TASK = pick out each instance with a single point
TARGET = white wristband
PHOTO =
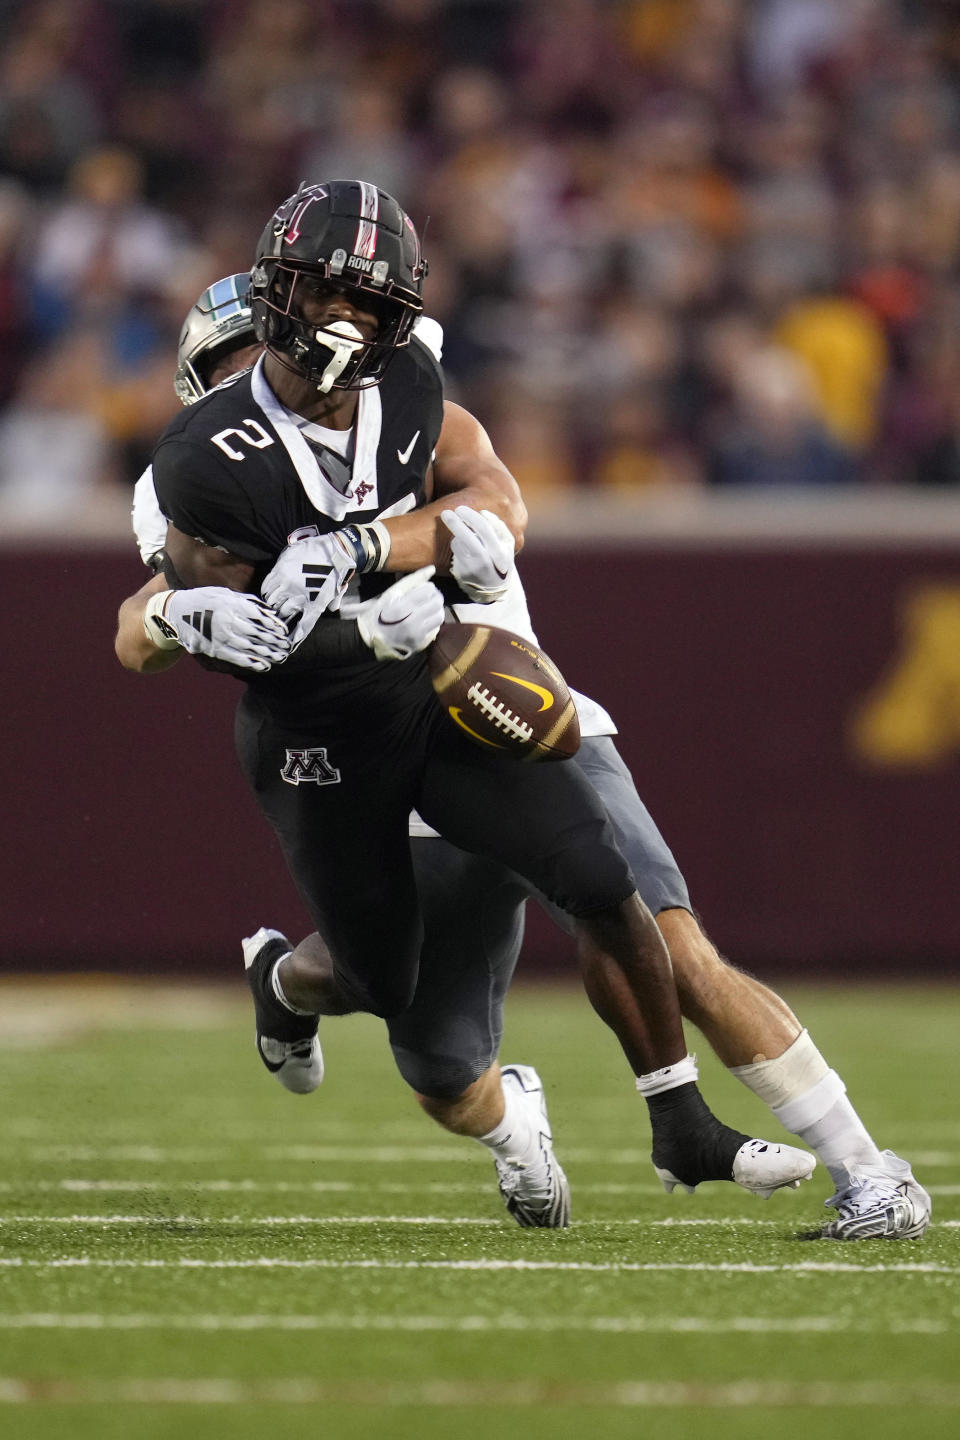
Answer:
(158, 630)
(383, 536)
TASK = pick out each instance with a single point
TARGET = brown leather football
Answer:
(504, 693)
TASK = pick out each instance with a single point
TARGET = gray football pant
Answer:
(473, 913)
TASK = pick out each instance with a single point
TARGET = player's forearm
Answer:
(466, 471)
(421, 538)
(135, 650)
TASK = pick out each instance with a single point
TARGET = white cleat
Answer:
(287, 1043)
(882, 1202)
(537, 1195)
(251, 945)
(297, 1064)
(762, 1167)
(758, 1166)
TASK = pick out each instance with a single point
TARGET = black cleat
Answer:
(690, 1146)
(286, 1043)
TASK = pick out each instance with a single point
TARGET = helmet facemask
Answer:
(333, 356)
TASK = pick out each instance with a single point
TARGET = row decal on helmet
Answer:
(365, 244)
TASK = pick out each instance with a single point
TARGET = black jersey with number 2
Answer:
(237, 470)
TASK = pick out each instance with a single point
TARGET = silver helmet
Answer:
(219, 322)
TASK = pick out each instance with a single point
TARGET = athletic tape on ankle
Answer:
(656, 1081)
(278, 990)
(792, 1074)
(807, 1109)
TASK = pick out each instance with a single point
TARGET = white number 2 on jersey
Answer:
(257, 438)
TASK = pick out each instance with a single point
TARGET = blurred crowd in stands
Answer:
(672, 242)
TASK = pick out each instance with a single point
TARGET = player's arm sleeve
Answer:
(149, 523)
(198, 495)
(429, 332)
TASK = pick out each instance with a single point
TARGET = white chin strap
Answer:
(343, 349)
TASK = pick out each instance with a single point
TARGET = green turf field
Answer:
(185, 1249)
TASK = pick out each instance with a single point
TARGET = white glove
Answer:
(225, 624)
(320, 567)
(404, 619)
(482, 553)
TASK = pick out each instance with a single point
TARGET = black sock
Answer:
(273, 1018)
(688, 1139)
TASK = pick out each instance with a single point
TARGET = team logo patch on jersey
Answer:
(309, 767)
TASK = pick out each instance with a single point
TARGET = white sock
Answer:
(277, 989)
(669, 1078)
(809, 1099)
(826, 1120)
(513, 1139)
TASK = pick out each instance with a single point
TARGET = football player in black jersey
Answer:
(349, 328)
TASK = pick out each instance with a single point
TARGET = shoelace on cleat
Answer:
(521, 1172)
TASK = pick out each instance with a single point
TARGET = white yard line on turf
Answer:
(320, 1187)
(601, 1324)
(212, 1221)
(269, 1262)
(373, 1154)
(296, 1187)
(632, 1394)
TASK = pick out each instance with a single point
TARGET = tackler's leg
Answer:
(547, 823)
(627, 976)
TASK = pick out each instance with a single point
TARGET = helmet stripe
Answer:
(223, 297)
(366, 241)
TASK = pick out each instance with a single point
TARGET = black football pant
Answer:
(340, 802)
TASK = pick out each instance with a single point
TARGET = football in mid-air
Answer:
(504, 693)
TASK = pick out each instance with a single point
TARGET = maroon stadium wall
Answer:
(791, 714)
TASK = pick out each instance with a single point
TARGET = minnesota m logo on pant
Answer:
(309, 767)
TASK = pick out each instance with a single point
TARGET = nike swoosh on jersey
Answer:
(404, 455)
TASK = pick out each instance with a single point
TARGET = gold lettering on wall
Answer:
(911, 717)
